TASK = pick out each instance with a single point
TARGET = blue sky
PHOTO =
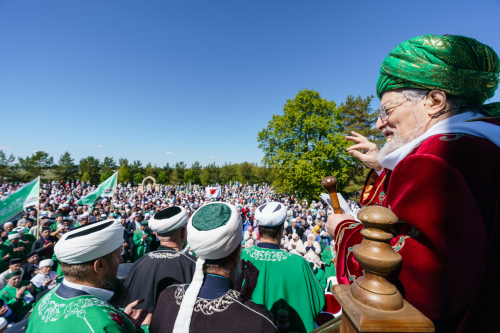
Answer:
(168, 81)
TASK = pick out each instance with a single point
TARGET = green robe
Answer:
(81, 314)
(4, 250)
(326, 257)
(320, 275)
(141, 247)
(286, 281)
(20, 307)
(21, 254)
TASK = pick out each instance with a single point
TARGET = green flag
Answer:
(106, 189)
(14, 203)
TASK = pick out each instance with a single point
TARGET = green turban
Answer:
(460, 66)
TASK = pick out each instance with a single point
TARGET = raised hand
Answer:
(369, 157)
(137, 316)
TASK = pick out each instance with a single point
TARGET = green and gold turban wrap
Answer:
(460, 66)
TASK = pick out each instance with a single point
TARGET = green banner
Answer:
(106, 189)
(14, 203)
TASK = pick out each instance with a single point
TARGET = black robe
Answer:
(156, 271)
(218, 308)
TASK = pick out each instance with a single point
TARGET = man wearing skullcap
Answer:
(46, 278)
(211, 303)
(18, 247)
(438, 172)
(88, 298)
(19, 298)
(142, 240)
(26, 238)
(159, 269)
(44, 246)
(301, 296)
(14, 265)
(30, 266)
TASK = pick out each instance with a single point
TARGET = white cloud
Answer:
(34, 151)
(214, 156)
(169, 153)
(91, 146)
(100, 146)
(102, 155)
(5, 147)
(50, 147)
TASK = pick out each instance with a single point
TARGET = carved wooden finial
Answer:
(378, 259)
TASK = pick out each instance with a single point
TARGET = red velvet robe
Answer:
(447, 190)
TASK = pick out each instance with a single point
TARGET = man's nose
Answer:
(379, 124)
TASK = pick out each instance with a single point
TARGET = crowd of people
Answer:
(304, 231)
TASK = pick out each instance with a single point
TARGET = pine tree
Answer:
(66, 170)
(6, 164)
(108, 164)
(92, 166)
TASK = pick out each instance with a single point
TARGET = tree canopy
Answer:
(305, 144)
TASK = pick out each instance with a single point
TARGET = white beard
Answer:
(399, 141)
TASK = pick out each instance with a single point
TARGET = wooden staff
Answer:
(330, 185)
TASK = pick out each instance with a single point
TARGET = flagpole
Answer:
(38, 211)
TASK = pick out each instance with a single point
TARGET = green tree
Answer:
(35, 164)
(122, 161)
(357, 115)
(168, 172)
(66, 169)
(263, 174)
(6, 165)
(86, 177)
(148, 170)
(228, 172)
(197, 168)
(192, 177)
(108, 165)
(162, 178)
(106, 175)
(179, 171)
(246, 173)
(210, 174)
(305, 144)
(124, 174)
(138, 177)
(136, 167)
(92, 166)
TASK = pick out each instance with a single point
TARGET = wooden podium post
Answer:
(371, 303)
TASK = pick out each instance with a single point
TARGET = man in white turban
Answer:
(212, 302)
(159, 269)
(89, 256)
(302, 296)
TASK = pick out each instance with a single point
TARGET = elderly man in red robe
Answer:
(439, 172)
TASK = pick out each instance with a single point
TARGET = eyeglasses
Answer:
(383, 112)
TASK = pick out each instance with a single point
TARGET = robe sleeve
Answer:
(347, 236)
(326, 256)
(137, 238)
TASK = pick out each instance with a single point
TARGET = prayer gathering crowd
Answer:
(250, 260)
(31, 266)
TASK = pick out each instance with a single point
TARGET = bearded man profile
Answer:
(439, 173)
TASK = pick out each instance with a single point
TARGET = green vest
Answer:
(301, 295)
(326, 257)
(81, 314)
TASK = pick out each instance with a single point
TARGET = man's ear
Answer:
(99, 266)
(436, 102)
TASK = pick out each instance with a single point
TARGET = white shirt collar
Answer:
(103, 294)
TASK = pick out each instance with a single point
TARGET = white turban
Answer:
(213, 232)
(19, 230)
(45, 263)
(8, 223)
(271, 214)
(168, 219)
(14, 235)
(89, 242)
